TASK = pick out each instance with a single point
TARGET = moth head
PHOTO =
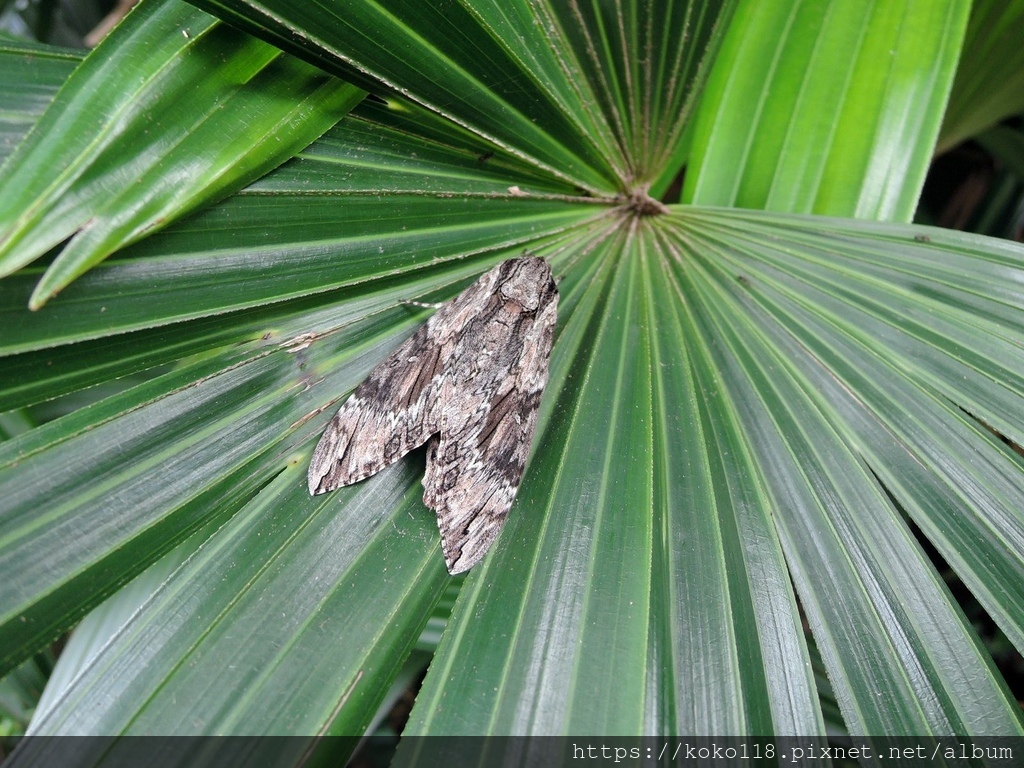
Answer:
(527, 282)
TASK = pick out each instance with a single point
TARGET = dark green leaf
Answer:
(30, 75)
(989, 83)
(171, 111)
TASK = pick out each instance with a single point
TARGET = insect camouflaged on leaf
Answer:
(468, 383)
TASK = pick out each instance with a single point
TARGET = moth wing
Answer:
(396, 408)
(389, 414)
(473, 474)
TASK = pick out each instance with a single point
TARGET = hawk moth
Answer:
(468, 383)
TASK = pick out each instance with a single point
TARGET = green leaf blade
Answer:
(262, 578)
(166, 74)
(917, 625)
(566, 584)
(726, 576)
(805, 147)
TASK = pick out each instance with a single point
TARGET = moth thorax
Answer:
(526, 282)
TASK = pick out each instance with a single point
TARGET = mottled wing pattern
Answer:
(387, 416)
(470, 381)
(472, 477)
(396, 408)
(476, 464)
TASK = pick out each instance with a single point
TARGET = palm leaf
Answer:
(840, 111)
(194, 136)
(750, 416)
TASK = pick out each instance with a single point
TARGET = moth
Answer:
(468, 383)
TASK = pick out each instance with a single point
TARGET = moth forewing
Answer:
(363, 437)
(469, 381)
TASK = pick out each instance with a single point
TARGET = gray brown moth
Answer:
(468, 383)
